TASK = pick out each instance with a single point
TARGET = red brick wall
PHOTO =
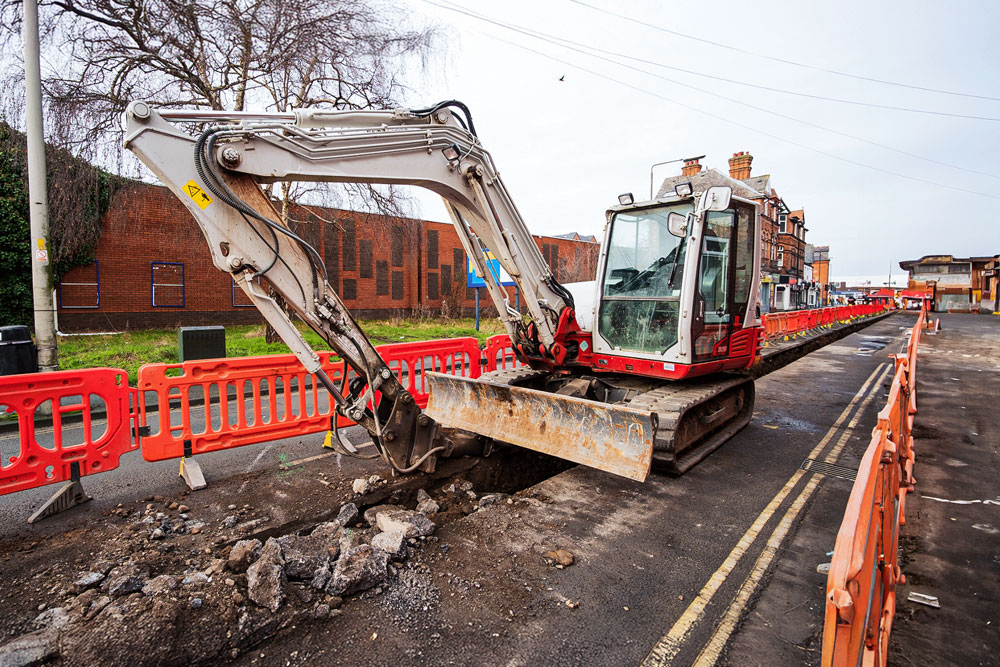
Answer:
(379, 267)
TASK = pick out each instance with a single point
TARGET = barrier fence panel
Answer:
(864, 570)
(214, 404)
(453, 356)
(209, 405)
(68, 449)
(499, 354)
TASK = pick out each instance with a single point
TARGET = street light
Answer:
(683, 159)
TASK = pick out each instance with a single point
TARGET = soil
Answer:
(208, 619)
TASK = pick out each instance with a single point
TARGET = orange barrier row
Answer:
(48, 456)
(781, 324)
(243, 401)
(211, 405)
(860, 589)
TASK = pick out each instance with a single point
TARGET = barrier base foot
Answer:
(192, 474)
(69, 495)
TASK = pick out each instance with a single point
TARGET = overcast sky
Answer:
(567, 148)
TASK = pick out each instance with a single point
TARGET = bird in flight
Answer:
(562, 78)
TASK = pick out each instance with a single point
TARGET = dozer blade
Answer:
(612, 438)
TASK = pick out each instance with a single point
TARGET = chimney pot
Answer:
(691, 167)
(739, 165)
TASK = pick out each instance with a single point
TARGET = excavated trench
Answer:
(507, 471)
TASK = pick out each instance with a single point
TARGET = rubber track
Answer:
(671, 401)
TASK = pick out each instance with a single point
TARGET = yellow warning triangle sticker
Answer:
(199, 196)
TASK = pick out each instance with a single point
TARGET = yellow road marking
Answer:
(666, 649)
(717, 642)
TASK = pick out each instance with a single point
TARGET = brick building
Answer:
(152, 267)
(783, 284)
(959, 284)
(821, 271)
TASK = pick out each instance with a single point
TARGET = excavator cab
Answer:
(676, 281)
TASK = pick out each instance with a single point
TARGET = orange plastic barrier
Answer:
(67, 451)
(780, 324)
(860, 589)
(241, 401)
(454, 356)
(214, 404)
(499, 354)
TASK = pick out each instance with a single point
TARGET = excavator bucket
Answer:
(613, 438)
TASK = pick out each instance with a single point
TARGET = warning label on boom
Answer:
(199, 196)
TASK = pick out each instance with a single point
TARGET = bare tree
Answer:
(222, 54)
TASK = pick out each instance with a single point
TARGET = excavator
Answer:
(638, 369)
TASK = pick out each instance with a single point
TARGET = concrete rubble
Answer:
(254, 588)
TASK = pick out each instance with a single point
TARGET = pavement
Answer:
(716, 567)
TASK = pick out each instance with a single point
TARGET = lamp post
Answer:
(654, 166)
(41, 261)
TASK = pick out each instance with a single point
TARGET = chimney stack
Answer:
(691, 167)
(739, 165)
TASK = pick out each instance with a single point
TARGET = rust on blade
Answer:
(612, 438)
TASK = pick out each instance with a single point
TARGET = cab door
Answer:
(725, 281)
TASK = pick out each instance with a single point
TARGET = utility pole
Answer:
(41, 262)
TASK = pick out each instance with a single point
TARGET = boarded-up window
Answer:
(349, 250)
(458, 262)
(350, 291)
(382, 278)
(332, 247)
(446, 281)
(432, 249)
(81, 287)
(546, 252)
(554, 260)
(397, 285)
(365, 258)
(397, 246)
(432, 286)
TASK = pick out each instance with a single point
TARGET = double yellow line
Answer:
(667, 648)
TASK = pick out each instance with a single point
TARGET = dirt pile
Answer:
(173, 589)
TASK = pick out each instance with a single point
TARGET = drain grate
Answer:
(831, 469)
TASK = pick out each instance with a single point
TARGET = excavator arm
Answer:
(216, 162)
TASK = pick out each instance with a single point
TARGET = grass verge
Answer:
(132, 349)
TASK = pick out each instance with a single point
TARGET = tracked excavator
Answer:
(636, 370)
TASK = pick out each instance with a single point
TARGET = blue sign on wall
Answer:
(473, 279)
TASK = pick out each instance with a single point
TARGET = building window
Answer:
(781, 258)
(783, 223)
(167, 279)
(83, 290)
